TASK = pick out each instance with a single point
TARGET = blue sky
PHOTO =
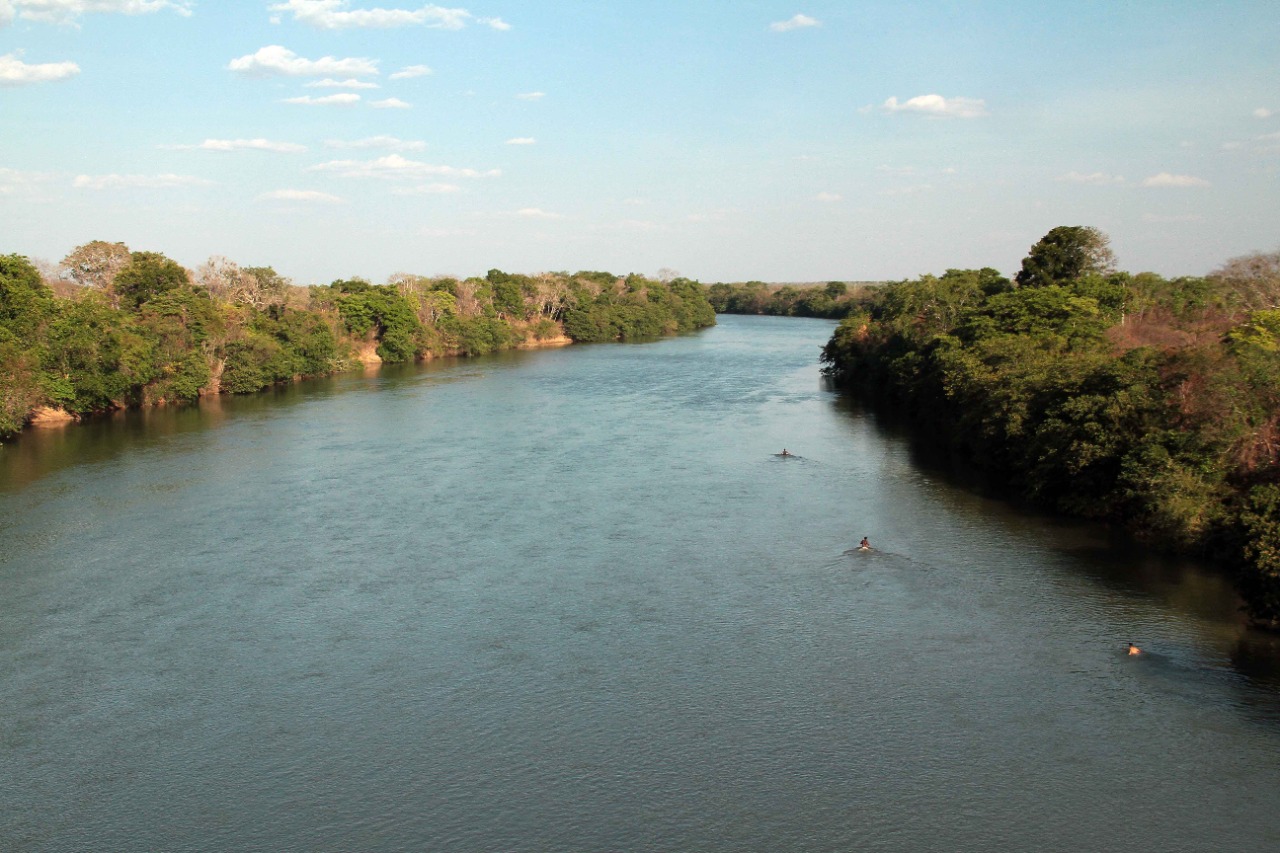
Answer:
(725, 140)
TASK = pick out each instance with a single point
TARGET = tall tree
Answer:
(1065, 254)
(96, 264)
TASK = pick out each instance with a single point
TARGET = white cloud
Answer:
(532, 96)
(411, 71)
(795, 23)
(275, 59)
(827, 197)
(350, 83)
(113, 182)
(537, 213)
(395, 166)
(70, 11)
(15, 72)
(341, 99)
(1262, 112)
(522, 140)
(495, 23)
(390, 143)
(427, 189)
(334, 15)
(1165, 179)
(390, 104)
(936, 105)
(300, 195)
(13, 180)
(1094, 178)
(241, 145)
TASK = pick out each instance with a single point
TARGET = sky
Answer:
(727, 140)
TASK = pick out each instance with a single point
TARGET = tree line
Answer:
(832, 300)
(110, 328)
(1134, 399)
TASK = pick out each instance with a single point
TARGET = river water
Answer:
(570, 600)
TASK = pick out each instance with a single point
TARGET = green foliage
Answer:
(148, 275)
(383, 313)
(832, 300)
(25, 302)
(1051, 388)
(1260, 532)
(1065, 254)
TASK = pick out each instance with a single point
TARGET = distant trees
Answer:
(832, 300)
(1252, 280)
(1129, 398)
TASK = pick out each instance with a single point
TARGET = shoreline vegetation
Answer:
(1139, 401)
(110, 328)
(833, 300)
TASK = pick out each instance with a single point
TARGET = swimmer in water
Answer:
(1134, 650)
(784, 452)
(865, 544)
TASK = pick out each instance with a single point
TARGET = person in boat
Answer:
(784, 452)
(865, 544)
(1134, 650)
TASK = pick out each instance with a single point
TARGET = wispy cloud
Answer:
(275, 59)
(1263, 112)
(536, 213)
(342, 99)
(14, 180)
(334, 15)
(912, 190)
(70, 11)
(350, 83)
(494, 23)
(795, 23)
(1165, 179)
(389, 143)
(938, 106)
(522, 140)
(390, 104)
(15, 72)
(394, 166)
(827, 197)
(312, 196)
(532, 96)
(241, 145)
(427, 189)
(114, 182)
(1098, 179)
(411, 71)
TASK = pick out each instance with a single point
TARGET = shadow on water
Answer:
(37, 453)
(1116, 564)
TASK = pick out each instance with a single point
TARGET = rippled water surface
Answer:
(570, 600)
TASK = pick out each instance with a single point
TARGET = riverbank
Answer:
(134, 329)
(1146, 403)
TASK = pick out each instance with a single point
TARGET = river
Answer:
(571, 600)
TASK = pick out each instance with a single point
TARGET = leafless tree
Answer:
(1254, 280)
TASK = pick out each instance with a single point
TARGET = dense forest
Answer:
(832, 300)
(1129, 398)
(110, 328)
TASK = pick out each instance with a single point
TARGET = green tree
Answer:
(1064, 254)
(148, 275)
